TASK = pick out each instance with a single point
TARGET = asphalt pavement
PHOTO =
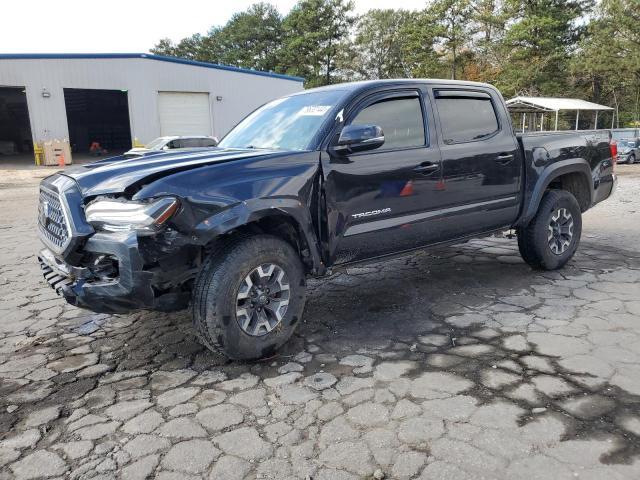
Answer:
(453, 363)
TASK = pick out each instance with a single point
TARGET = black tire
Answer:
(533, 240)
(215, 296)
(632, 159)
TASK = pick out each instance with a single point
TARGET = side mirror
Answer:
(358, 138)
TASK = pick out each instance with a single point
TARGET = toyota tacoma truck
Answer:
(305, 185)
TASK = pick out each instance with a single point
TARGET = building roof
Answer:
(149, 56)
(549, 104)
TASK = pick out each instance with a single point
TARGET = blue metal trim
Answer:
(62, 56)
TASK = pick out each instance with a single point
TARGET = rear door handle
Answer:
(504, 158)
(426, 167)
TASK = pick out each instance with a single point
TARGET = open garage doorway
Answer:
(98, 116)
(16, 142)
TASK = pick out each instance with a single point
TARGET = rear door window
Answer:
(400, 119)
(466, 118)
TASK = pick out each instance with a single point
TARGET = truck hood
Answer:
(115, 175)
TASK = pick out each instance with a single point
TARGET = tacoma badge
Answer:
(371, 213)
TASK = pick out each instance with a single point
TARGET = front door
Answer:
(372, 196)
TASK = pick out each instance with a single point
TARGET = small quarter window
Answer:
(466, 119)
(400, 119)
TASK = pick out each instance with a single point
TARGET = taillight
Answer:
(614, 153)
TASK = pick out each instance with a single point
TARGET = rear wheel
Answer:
(552, 237)
(249, 297)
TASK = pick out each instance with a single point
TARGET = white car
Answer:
(174, 143)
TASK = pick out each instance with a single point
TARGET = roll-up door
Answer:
(184, 113)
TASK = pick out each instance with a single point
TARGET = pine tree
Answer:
(316, 33)
(538, 44)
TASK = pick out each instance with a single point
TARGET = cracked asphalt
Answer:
(459, 362)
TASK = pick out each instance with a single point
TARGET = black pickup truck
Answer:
(309, 183)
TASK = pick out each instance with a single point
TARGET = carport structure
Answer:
(536, 112)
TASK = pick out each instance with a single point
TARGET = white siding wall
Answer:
(143, 79)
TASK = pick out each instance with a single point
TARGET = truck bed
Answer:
(545, 152)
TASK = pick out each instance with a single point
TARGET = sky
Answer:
(125, 26)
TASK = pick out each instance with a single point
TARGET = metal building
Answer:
(119, 99)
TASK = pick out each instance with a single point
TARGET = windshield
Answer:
(288, 123)
(157, 144)
(626, 144)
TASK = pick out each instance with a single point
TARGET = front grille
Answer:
(53, 224)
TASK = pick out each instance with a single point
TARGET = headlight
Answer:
(122, 215)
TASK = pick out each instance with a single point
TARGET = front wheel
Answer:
(632, 159)
(550, 240)
(249, 297)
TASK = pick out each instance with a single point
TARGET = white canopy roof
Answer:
(549, 104)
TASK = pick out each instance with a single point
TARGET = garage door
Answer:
(184, 113)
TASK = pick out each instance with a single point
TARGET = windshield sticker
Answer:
(314, 110)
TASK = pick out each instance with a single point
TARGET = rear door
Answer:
(481, 161)
(372, 196)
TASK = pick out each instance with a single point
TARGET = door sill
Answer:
(388, 256)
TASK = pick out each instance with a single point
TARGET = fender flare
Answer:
(548, 175)
(246, 212)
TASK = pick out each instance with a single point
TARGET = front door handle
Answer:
(504, 158)
(426, 168)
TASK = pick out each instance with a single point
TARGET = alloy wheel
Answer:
(560, 231)
(262, 300)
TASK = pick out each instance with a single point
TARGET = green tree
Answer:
(488, 28)
(165, 46)
(453, 20)
(537, 47)
(626, 15)
(251, 39)
(419, 37)
(606, 66)
(316, 34)
(541, 37)
(379, 44)
(189, 48)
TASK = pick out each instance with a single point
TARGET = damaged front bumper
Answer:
(130, 289)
